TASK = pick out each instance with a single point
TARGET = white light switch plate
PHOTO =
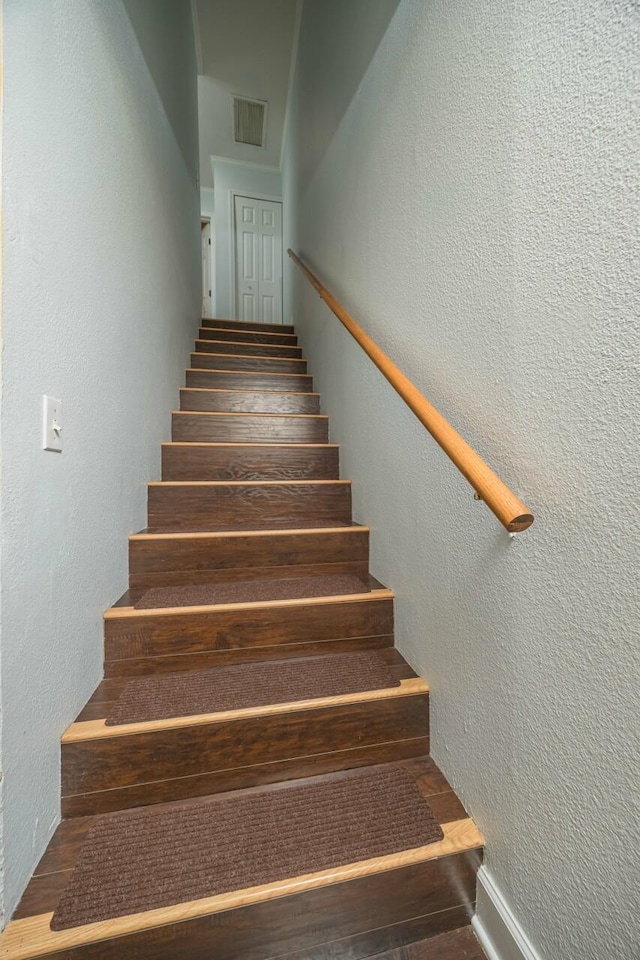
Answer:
(51, 424)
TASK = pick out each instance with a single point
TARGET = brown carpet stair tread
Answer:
(251, 591)
(151, 858)
(243, 686)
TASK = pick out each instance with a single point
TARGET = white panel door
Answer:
(258, 230)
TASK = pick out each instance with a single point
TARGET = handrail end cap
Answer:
(518, 524)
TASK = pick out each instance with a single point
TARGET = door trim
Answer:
(233, 193)
(210, 254)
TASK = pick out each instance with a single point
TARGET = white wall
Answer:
(251, 181)
(464, 176)
(101, 298)
(207, 202)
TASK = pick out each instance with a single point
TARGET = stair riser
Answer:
(113, 763)
(230, 380)
(241, 428)
(207, 361)
(248, 336)
(237, 462)
(170, 663)
(247, 349)
(193, 507)
(381, 943)
(377, 909)
(249, 402)
(263, 774)
(155, 563)
(241, 325)
(229, 575)
(154, 643)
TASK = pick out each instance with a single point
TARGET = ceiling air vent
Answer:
(249, 121)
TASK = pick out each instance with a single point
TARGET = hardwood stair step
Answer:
(139, 642)
(245, 504)
(221, 361)
(247, 401)
(191, 558)
(378, 902)
(246, 325)
(249, 461)
(250, 427)
(247, 349)
(247, 336)
(108, 767)
(109, 690)
(250, 380)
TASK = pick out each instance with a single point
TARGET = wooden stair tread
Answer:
(245, 392)
(229, 843)
(97, 729)
(218, 399)
(235, 460)
(137, 644)
(147, 534)
(305, 685)
(244, 504)
(248, 336)
(247, 413)
(247, 343)
(251, 591)
(194, 557)
(372, 589)
(246, 348)
(29, 935)
(264, 380)
(203, 348)
(225, 362)
(250, 373)
(247, 443)
(108, 690)
(260, 427)
(247, 325)
(247, 483)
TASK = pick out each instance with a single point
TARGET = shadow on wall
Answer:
(161, 57)
(370, 22)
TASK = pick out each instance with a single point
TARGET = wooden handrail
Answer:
(509, 510)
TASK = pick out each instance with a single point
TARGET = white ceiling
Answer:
(245, 47)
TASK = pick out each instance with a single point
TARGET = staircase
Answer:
(252, 777)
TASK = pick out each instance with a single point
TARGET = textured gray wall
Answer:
(101, 299)
(472, 195)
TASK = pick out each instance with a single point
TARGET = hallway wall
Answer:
(464, 178)
(101, 298)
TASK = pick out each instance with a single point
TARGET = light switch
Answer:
(51, 424)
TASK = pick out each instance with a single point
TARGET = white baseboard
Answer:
(500, 934)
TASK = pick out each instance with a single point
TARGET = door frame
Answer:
(206, 219)
(233, 193)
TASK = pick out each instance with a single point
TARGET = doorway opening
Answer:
(206, 245)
